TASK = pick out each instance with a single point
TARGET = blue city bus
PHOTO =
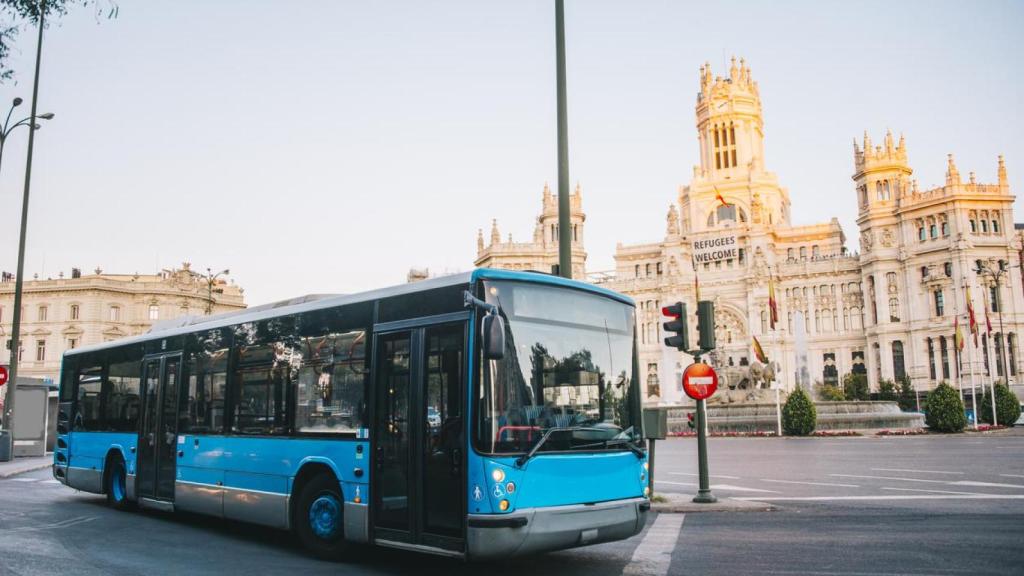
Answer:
(479, 415)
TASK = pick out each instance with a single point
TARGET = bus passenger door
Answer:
(419, 436)
(158, 449)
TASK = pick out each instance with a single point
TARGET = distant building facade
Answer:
(64, 313)
(887, 311)
(542, 253)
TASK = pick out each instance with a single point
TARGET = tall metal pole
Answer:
(564, 226)
(16, 328)
(704, 495)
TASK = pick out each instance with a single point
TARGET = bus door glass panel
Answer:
(392, 432)
(444, 374)
(168, 450)
(146, 464)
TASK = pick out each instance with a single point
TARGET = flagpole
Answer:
(956, 345)
(991, 356)
(972, 327)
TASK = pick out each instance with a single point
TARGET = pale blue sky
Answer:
(330, 146)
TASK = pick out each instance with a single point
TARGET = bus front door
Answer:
(419, 437)
(158, 448)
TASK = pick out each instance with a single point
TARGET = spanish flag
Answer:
(773, 305)
(988, 321)
(759, 352)
(718, 196)
(958, 335)
(972, 322)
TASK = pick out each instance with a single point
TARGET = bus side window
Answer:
(88, 416)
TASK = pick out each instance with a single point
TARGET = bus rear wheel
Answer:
(319, 515)
(116, 488)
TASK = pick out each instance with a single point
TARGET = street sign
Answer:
(3, 375)
(700, 381)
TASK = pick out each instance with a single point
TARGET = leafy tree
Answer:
(887, 391)
(830, 393)
(799, 416)
(1007, 406)
(15, 13)
(908, 396)
(945, 410)
(855, 387)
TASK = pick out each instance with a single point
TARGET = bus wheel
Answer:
(318, 517)
(117, 495)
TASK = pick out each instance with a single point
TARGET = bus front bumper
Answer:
(533, 530)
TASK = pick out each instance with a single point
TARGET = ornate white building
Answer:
(887, 311)
(63, 313)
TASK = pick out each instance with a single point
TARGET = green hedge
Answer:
(798, 415)
(1007, 406)
(830, 393)
(945, 410)
(855, 387)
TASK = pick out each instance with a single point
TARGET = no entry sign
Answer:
(700, 381)
(3, 375)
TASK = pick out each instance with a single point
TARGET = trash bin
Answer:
(6, 446)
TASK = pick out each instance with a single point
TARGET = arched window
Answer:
(789, 253)
(725, 212)
(921, 234)
(885, 188)
(815, 252)
(846, 318)
(933, 231)
(878, 191)
(984, 226)
(974, 227)
(894, 310)
(945, 228)
(947, 269)
(803, 252)
(995, 227)
(898, 369)
(940, 307)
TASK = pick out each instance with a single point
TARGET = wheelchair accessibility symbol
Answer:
(498, 493)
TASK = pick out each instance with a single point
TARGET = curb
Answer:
(25, 469)
(685, 506)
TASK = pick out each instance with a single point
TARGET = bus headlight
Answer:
(498, 474)
(503, 505)
(647, 491)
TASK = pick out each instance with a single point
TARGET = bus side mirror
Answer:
(493, 329)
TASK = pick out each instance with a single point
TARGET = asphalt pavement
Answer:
(843, 506)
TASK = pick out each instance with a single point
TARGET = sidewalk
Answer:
(25, 464)
(684, 503)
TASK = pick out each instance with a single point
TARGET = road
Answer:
(844, 506)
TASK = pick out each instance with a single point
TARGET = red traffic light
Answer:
(675, 328)
(673, 311)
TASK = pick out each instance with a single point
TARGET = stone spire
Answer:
(1002, 172)
(495, 235)
(734, 72)
(888, 141)
(902, 146)
(479, 240)
(952, 174)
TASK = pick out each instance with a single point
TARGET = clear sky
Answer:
(330, 146)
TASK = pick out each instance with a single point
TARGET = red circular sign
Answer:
(700, 381)
(3, 375)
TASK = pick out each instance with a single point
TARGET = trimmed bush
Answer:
(830, 393)
(945, 410)
(908, 396)
(887, 391)
(798, 415)
(855, 387)
(1007, 406)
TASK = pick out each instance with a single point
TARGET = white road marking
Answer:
(884, 497)
(712, 476)
(717, 486)
(946, 482)
(931, 491)
(1013, 475)
(908, 470)
(810, 483)
(50, 482)
(22, 479)
(654, 554)
(62, 524)
(890, 478)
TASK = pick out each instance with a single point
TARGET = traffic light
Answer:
(677, 336)
(689, 420)
(706, 325)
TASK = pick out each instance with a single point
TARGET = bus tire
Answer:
(319, 517)
(116, 484)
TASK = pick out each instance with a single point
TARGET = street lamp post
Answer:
(995, 274)
(8, 420)
(211, 279)
(7, 127)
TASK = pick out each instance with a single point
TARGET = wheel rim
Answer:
(324, 516)
(117, 484)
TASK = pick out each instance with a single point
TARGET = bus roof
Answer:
(320, 302)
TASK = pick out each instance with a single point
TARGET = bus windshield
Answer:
(568, 366)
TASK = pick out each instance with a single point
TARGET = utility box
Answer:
(655, 423)
(31, 421)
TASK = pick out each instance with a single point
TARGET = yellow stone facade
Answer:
(63, 313)
(872, 311)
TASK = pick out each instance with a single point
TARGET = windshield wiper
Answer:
(547, 434)
(628, 443)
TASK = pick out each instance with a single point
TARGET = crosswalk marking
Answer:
(718, 486)
(810, 483)
(654, 554)
(885, 497)
(919, 471)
